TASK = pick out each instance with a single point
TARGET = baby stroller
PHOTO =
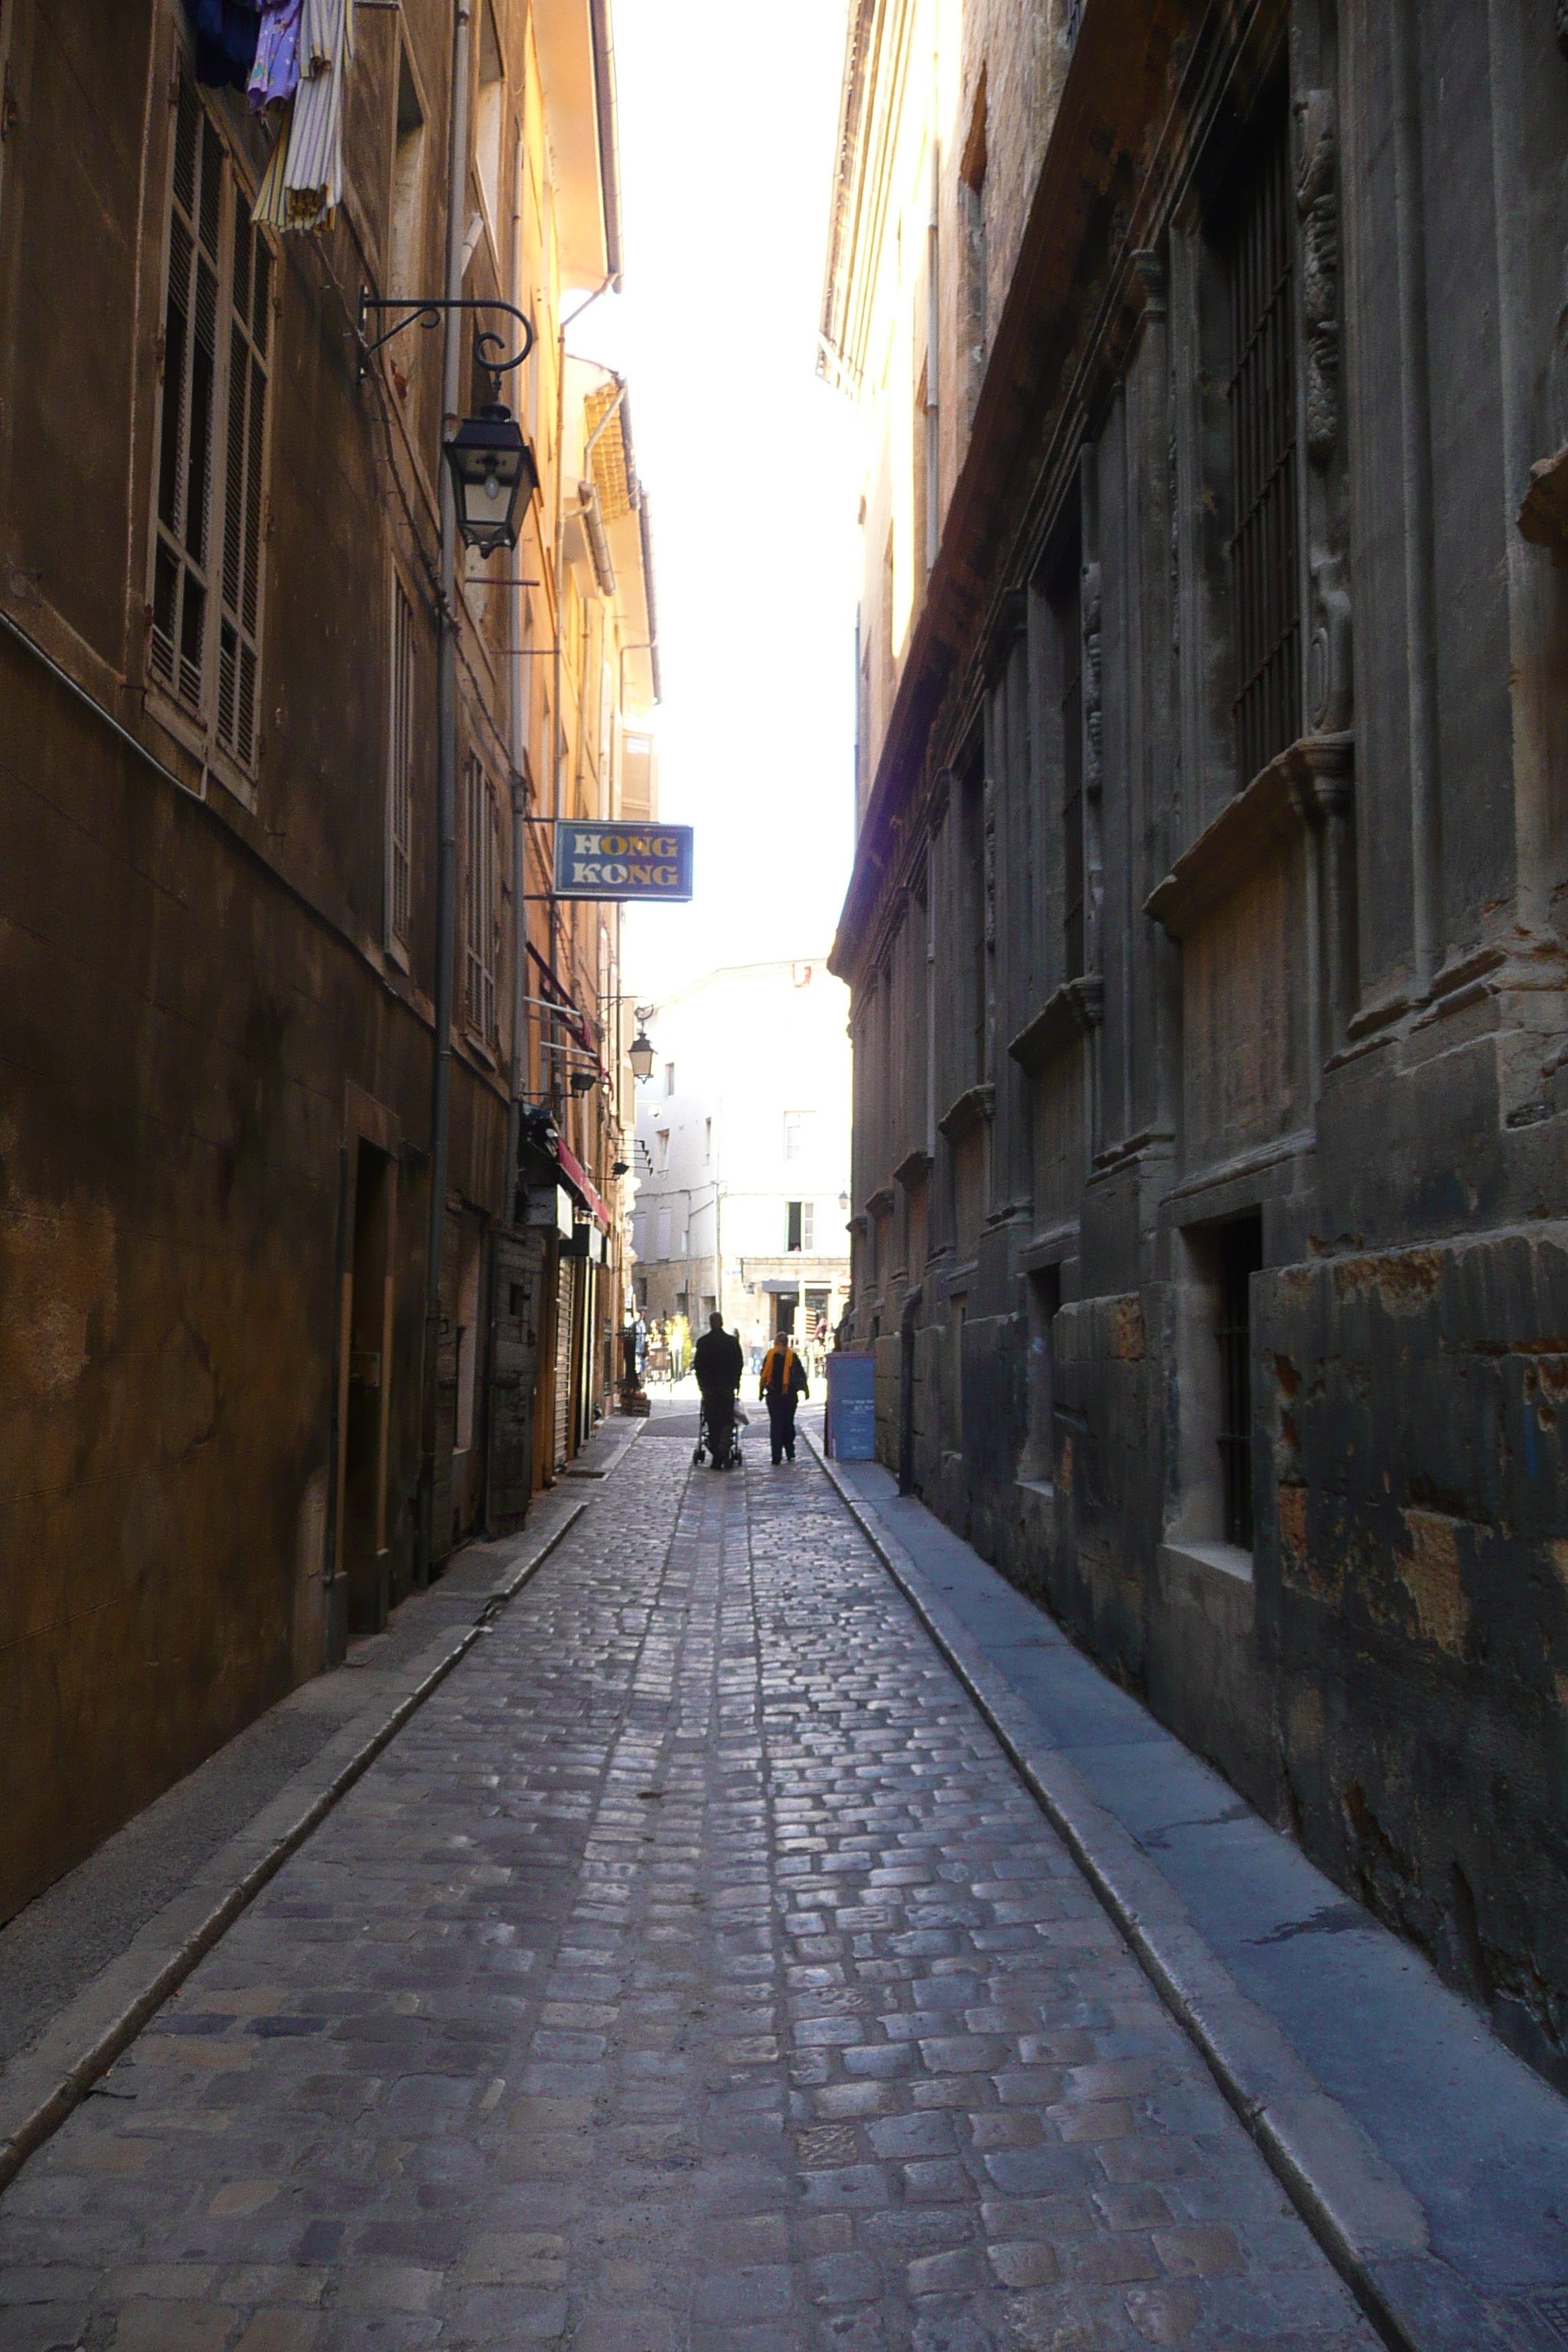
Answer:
(704, 1443)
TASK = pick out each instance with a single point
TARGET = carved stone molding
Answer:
(1075, 1008)
(1093, 715)
(1317, 206)
(1148, 281)
(1330, 675)
(880, 1202)
(913, 1169)
(1544, 516)
(974, 1108)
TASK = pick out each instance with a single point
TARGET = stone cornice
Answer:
(1075, 1008)
(974, 1108)
(1306, 781)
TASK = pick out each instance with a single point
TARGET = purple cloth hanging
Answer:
(276, 73)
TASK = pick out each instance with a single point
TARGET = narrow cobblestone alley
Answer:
(691, 1970)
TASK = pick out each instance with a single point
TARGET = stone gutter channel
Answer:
(85, 1967)
(1430, 2164)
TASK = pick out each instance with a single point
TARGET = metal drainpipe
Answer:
(521, 712)
(446, 779)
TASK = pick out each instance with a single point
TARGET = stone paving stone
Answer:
(690, 1974)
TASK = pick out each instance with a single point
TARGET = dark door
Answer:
(367, 1342)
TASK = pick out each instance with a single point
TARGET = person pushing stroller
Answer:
(783, 1385)
(719, 1364)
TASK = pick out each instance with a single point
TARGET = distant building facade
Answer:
(742, 1153)
(1206, 932)
(230, 1432)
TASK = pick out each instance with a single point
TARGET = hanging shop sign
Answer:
(623, 861)
(552, 1204)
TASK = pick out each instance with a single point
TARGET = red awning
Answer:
(583, 1184)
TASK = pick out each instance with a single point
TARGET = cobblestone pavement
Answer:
(691, 1972)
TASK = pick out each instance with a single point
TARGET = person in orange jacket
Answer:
(783, 1385)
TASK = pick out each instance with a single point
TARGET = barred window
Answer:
(481, 925)
(1265, 605)
(206, 644)
(400, 773)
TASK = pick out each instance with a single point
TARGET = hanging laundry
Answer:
(275, 76)
(303, 184)
(226, 33)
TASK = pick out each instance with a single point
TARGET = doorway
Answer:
(365, 1374)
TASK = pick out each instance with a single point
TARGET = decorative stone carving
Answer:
(1331, 691)
(990, 865)
(1318, 205)
(1093, 720)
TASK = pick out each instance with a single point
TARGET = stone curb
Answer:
(1358, 2210)
(42, 2091)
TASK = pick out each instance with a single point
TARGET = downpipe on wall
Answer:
(445, 787)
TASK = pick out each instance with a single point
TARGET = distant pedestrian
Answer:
(782, 1387)
(719, 1364)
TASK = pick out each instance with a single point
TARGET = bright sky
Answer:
(727, 122)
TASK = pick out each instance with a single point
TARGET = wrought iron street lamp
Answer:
(640, 1054)
(494, 474)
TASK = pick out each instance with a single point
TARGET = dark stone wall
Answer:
(1324, 1018)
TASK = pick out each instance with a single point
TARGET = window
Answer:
(206, 552)
(663, 1156)
(400, 772)
(669, 1077)
(663, 1249)
(975, 327)
(406, 255)
(489, 119)
(1266, 606)
(801, 1226)
(1069, 626)
(797, 1128)
(1045, 1304)
(1240, 1257)
(481, 911)
(707, 1143)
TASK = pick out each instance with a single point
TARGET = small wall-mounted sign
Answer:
(623, 861)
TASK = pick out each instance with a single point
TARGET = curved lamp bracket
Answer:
(426, 310)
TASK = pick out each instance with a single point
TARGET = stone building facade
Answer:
(1205, 933)
(228, 1434)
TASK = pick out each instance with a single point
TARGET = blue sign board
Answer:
(623, 861)
(852, 1407)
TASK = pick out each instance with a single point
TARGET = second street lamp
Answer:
(640, 1054)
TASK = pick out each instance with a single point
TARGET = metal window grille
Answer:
(239, 623)
(1241, 1255)
(400, 776)
(481, 925)
(1068, 614)
(1266, 600)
